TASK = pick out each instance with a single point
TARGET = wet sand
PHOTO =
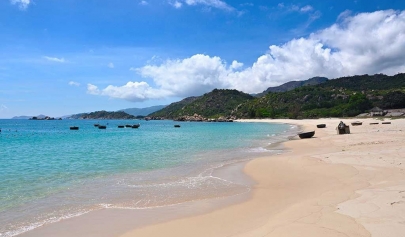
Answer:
(329, 185)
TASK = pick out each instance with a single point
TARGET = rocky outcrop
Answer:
(199, 118)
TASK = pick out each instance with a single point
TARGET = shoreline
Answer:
(231, 172)
(330, 185)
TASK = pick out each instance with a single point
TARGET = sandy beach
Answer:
(329, 185)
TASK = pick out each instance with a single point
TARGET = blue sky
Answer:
(69, 56)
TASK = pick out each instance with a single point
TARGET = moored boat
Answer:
(136, 125)
(306, 134)
(176, 125)
(96, 125)
(121, 126)
(357, 123)
(102, 127)
(74, 128)
(128, 126)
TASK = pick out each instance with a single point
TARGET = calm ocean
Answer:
(49, 173)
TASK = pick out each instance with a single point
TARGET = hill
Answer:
(346, 96)
(143, 111)
(316, 97)
(173, 109)
(214, 104)
(41, 116)
(294, 84)
(103, 115)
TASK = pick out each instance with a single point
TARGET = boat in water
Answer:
(74, 128)
(136, 125)
(102, 127)
(121, 126)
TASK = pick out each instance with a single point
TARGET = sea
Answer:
(49, 173)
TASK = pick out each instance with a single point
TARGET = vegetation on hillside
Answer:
(346, 96)
(103, 115)
(210, 105)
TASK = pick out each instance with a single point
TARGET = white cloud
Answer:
(3, 107)
(132, 91)
(143, 2)
(110, 65)
(209, 3)
(73, 83)
(52, 59)
(22, 4)
(295, 8)
(176, 4)
(366, 43)
(307, 8)
(93, 90)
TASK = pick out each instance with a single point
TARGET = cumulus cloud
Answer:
(73, 83)
(110, 65)
(53, 59)
(366, 43)
(22, 4)
(209, 3)
(295, 8)
(132, 91)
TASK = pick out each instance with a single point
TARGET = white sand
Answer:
(330, 185)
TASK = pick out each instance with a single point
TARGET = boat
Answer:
(96, 125)
(306, 134)
(121, 126)
(128, 126)
(386, 123)
(373, 123)
(102, 126)
(176, 125)
(357, 123)
(136, 125)
(321, 125)
(74, 128)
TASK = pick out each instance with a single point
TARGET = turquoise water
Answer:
(49, 173)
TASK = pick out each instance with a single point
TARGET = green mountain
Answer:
(346, 96)
(143, 111)
(211, 105)
(173, 109)
(294, 84)
(103, 115)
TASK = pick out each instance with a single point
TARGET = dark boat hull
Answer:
(102, 127)
(321, 126)
(136, 126)
(357, 123)
(176, 126)
(121, 126)
(74, 128)
(306, 134)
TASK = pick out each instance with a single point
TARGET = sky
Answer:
(61, 57)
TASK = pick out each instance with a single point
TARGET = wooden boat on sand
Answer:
(306, 134)
(321, 125)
